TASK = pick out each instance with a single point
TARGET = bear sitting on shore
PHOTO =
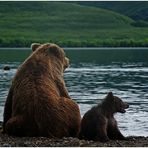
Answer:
(38, 103)
(99, 124)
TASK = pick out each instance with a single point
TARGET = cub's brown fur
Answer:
(38, 103)
(99, 123)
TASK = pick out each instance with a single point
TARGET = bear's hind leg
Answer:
(73, 117)
(15, 126)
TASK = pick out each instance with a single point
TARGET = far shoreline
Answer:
(81, 48)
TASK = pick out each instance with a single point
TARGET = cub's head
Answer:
(52, 51)
(116, 103)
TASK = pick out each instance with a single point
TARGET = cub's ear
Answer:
(110, 95)
(34, 46)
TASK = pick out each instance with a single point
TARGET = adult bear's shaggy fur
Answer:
(38, 103)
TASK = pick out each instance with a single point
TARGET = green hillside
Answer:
(66, 24)
(138, 10)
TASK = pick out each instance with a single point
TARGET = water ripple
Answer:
(89, 83)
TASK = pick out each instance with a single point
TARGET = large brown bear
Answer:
(99, 124)
(38, 103)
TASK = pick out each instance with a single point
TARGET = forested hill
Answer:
(137, 10)
(67, 24)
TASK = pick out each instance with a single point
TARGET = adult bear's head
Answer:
(52, 51)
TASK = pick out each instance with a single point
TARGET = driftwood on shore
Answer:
(10, 141)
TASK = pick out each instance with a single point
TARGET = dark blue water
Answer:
(91, 76)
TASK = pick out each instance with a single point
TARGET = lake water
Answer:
(91, 75)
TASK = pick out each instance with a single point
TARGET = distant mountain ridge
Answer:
(67, 24)
(137, 10)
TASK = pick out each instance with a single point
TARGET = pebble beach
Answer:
(11, 141)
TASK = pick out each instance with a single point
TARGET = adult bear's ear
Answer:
(34, 46)
(55, 50)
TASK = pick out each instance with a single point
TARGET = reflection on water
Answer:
(89, 82)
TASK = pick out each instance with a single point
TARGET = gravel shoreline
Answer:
(11, 141)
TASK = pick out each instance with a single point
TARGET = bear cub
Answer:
(99, 124)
